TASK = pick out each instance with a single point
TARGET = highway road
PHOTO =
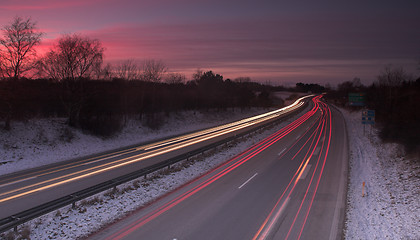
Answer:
(292, 185)
(25, 190)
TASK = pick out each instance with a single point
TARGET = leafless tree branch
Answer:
(74, 57)
(153, 70)
(18, 53)
(127, 70)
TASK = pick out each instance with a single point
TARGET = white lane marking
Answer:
(243, 184)
(305, 172)
(297, 137)
(317, 150)
(282, 151)
(22, 180)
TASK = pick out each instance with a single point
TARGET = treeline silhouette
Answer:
(100, 106)
(395, 97)
(71, 81)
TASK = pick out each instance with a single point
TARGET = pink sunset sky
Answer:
(281, 42)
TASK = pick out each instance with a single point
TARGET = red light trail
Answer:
(321, 127)
(265, 229)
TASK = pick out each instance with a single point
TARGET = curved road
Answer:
(24, 190)
(292, 185)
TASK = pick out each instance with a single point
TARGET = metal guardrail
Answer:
(15, 220)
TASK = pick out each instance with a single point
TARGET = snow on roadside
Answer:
(390, 208)
(43, 141)
(104, 208)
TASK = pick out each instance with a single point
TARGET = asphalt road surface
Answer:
(292, 185)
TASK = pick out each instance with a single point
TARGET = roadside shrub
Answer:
(91, 201)
(9, 236)
(25, 233)
(102, 125)
(66, 135)
(154, 120)
(112, 193)
(136, 184)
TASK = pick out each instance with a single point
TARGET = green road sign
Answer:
(356, 99)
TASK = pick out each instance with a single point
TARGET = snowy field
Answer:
(390, 207)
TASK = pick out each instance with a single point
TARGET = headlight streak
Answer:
(119, 163)
(40, 173)
(270, 115)
(108, 166)
(65, 166)
(231, 165)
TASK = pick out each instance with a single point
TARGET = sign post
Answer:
(368, 117)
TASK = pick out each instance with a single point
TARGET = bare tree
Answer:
(74, 57)
(2, 64)
(18, 53)
(106, 72)
(197, 75)
(153, 70)
(390, 81)
(392, 77)
(357, 83)
(175, 78)
(328, 86)
(242, 79)
(128, 70)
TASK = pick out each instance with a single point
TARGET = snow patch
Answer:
(390, 208)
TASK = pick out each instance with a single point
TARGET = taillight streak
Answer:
(311, 113)
(263, 234)
(312, 177)
(250, 153)
(320, 175)
(310, 137)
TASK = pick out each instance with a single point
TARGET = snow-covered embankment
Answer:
(389, 205)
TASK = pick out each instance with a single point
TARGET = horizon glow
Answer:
(280, 43)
